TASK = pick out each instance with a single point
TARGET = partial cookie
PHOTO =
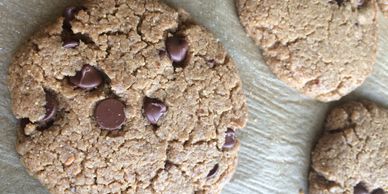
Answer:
(127, 97)
(383, 4)
(352, 154)
(323, 48)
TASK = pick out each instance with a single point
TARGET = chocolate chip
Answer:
(378, 191)
(70, 12)
(339, 2)
(69, 15)
(213, 172)
(88, 78)
(69, 39)
(51, 108)
(177, 48)
(360, 3)
(23, 122)
(154, 109)
(70, 42)
(168, 165)
(360, 189)
(230, 139)
(109, 114)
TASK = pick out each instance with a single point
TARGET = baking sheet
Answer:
(283, 125)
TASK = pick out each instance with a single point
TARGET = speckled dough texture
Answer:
(353, 150)
(322, 48)
(127, 43)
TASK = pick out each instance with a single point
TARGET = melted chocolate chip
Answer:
(177, 48)
(378, 191)
(51, 108)
(69, 15)
(154, 109)
(69, 39)
(230, 139)
(109, 114)
(70, 12)
(360, 189)
(339, 2)
(360, 3)
(70, 42)
(23, 122)
(213, 171)
(88, 78)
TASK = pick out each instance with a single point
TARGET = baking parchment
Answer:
(283, 125)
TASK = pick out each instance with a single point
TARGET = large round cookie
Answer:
(127, 97)
(323, 48)
(352, 155)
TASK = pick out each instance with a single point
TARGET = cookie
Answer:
(383, 5)
(322, 48)
(351, 156)
(127, 97)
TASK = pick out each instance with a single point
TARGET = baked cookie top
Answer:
(127, 96)
(323, 48)
(351, 156)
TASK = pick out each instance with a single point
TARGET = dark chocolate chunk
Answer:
(168, 165)
(360, 189)
(69, 39)
(154, 109)
(177, 48)
(70, 42)
(213, 171)
(339, 2)
(88, 78)
(51, 108)
(378, 191)
(230, 139)
(70, 12)
(109, 114)
(69, 15)
(360, 3)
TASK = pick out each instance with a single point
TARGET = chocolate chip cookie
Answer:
(322, 48)
(351, 156)
(127, 96)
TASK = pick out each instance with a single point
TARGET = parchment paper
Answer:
(283, 125)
